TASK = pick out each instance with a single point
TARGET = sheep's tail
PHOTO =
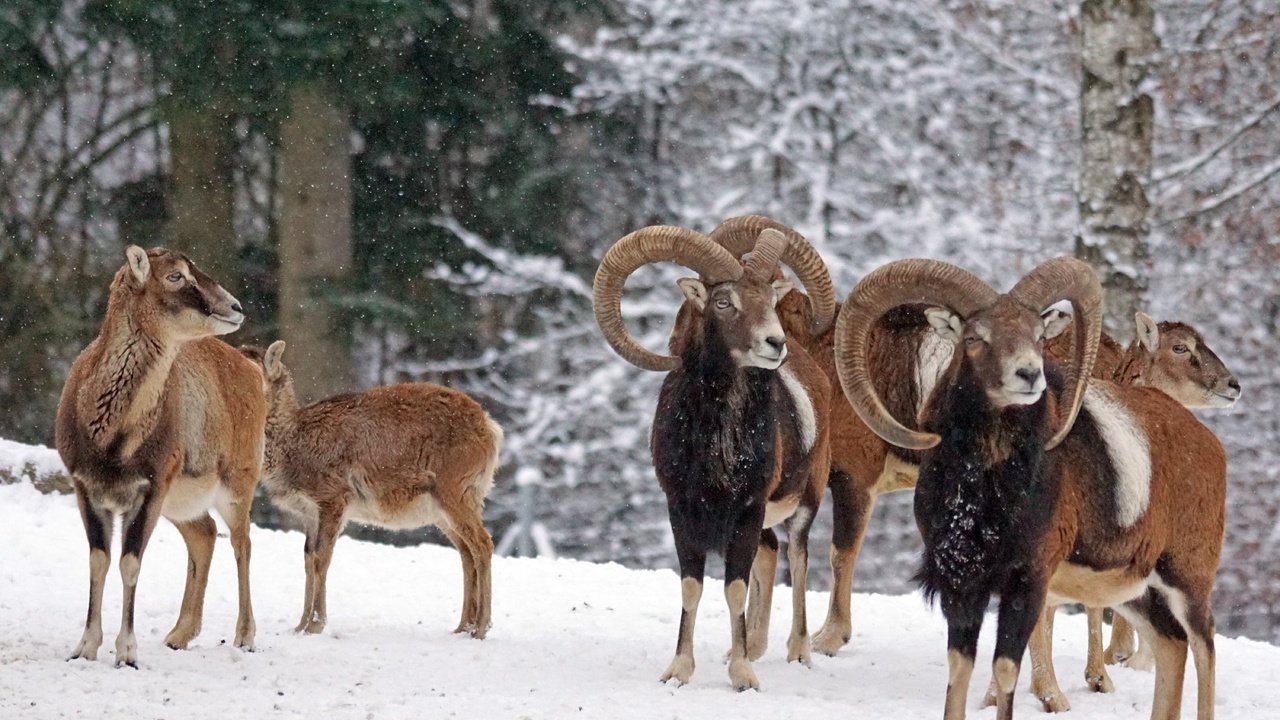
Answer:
(479, 483)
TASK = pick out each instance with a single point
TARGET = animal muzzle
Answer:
(1023, 384)
(225, 309)
(768, 347)
(1224, 393)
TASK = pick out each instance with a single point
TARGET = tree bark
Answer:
(315, 240)
(1117, 120)
(202, 191)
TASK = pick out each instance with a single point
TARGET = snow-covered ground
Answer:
(569, 639)
(16, 457)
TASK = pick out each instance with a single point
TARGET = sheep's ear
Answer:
(139, 264)
(782, 286)
(945, 323)
(271, 360)
(1148, 331)
(1056, 319)
(694, 290)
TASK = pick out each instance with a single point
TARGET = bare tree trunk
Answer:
(1116, 121)
(202, 191)
(315, 240)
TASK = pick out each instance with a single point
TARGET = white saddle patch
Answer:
(1129, 452)
(932, 359)
(804, 408)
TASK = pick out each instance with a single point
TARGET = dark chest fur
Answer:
(715, 443)
(105, 471)
(985, 494)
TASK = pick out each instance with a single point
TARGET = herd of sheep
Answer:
(1050, 465)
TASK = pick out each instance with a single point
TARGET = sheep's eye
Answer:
(1180, 348)
(175, 277)
(972, 341)
(723, 303)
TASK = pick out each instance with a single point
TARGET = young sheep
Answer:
(1121, 505)
(158, 417)
(740, 435)
(400, 457)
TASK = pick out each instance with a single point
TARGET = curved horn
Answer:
(768, 251)
(656, 243)
(905, 281)
(1066, 278)
(739, 235)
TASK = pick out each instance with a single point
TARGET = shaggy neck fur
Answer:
(981, 490)
(282, 423)
(1133, 364)
(120, 399)
(715, 437)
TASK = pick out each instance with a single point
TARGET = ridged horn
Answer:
(768, 251)
(930, 282)
(656, 243)
(1066, 278)
(739, 235)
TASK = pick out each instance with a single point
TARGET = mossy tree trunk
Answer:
(315, 247)
(202, 191)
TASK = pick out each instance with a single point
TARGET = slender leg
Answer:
(798, 560)
(763, 571)
(1122, 640)
(309, 567)
(693, 562)
(236, 514)
(850, 510)
(1044, 678)
(964, 621)
(484, 582)
(1022, 609)
(327, 535)
(1095, 669)
(137, 526)
(97, 527)
(1159, 629)
(1171, 661)
(1199, 625)
(200, 535)
(469, 608)
(1142, 658)
(738, 559)
(479, 558)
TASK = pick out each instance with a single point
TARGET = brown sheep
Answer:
(400, 456)
(158, 417)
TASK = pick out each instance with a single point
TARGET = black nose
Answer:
(1031, 375)
(1234, 384)
(236, 307)
(777, 342)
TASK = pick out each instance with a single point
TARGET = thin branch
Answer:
(1193, 164)
(1230, 195)
(996, 56)
(81, 172)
